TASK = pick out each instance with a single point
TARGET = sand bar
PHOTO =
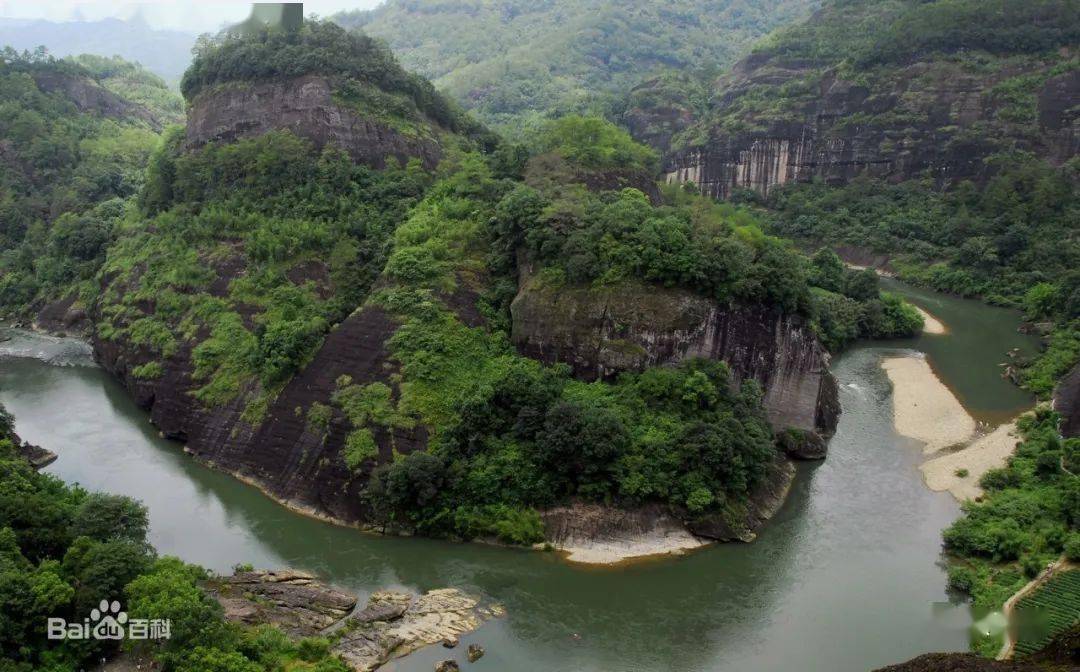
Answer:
(611, 551)
(923, 408)
(931, 325)
(984, 454)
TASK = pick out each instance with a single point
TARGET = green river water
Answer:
(847, 577)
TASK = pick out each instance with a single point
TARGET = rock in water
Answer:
(395, 624)
(295, 601)
(450, 642)
(475, 653)
(392, 624)
(447, 666)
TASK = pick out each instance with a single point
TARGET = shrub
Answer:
(359, 447)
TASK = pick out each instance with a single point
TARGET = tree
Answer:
(105, 517)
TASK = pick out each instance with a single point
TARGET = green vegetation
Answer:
(1012, 242)
(249, 252)
(63, 550)
(132, 82)
(518, 63)
(510, 435)
(896, 31)
(1049, 611)
(67, 175)
(1029, 517)
(593, 144)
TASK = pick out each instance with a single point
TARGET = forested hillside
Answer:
(75, 136)
(515, 62)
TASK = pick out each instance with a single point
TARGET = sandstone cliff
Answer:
(601, 332)
(89, 96)
(283, 455)
(920, 121)
(1067, 402)
(892, 90)
(309, 108)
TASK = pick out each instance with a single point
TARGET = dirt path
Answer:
(1060, 565)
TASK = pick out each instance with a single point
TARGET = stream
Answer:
(846, 578)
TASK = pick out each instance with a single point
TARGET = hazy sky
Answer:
(188, 15)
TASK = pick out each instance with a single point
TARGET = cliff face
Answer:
(292, 461)
(631, 326)
(935, 119)
(307, 107)
(89, 96)
(1067, 402)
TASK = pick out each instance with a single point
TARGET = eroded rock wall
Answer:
(89, 96)
(292, 461)
(1067, 402)
(306, 106)
(928, 119)
(602, 332)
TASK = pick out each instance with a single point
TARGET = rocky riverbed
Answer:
(390, 625)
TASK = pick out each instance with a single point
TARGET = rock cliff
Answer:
(89, 96)
(918, 122)
(1067, 402)
(309, 108)
(876, 89)
(601, 332)
(283, 455)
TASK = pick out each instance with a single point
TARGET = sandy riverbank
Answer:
(925, 409)
(598, 535)
(932, 325)
(985, 453)
(613, 551)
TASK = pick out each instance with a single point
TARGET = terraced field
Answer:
(1047, 612)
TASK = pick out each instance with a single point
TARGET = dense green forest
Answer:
(516, 63)
(68, 174)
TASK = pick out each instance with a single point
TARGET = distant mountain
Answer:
(166, 53)
(513, 61)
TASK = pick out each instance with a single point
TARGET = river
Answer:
(847, 577)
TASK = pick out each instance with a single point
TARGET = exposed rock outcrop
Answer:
(629, 326)
(64, 316)
(591, 533)
(307, 107)
(283, 455)
(38, 457)
(89, 96)
(595, 534)
(391, 625)
(1067, 402)
(743, 522)
(909, 122)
